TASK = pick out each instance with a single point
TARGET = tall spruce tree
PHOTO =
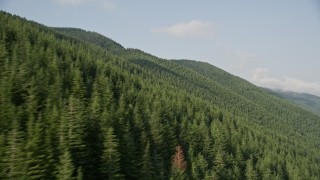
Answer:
(110, 159)
(65, 167)
(251, 173)
(13, 162)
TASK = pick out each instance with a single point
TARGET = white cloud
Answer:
(261, 78)
(193, 28)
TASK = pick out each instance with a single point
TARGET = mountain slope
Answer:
(270, 105)
(76, 104)
(304, 100)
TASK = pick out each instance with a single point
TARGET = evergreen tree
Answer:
(37, 156)
(199, 167)
(65, 167)
(79, 174)
(147, 167)
(73, 122)
(13, 165)
(251, 173)
(110, 166)
(129, 155)
(220, 164)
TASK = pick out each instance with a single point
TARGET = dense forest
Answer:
(308, 101)
(77, 105)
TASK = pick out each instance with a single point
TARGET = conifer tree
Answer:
(179, 164)
(199, 167)
(37, 156)
(3, 52)
(65, 167)
(147, 167)
(220, 164)
(2, 155)
(79, 174)
(93, 137)
(110, 166)
(129, 160)
(13, 165)
(251, 173)
(73, 134)
(78, 88)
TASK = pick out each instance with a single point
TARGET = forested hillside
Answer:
(274, 109)
(77, 105)
(304, 100)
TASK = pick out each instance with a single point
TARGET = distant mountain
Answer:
(305, 100)
(77, 105)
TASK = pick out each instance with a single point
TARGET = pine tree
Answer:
(3, 52)
(79, 174)
(37, 156)
(65, 167)
(2, 155)
(78, 88)
(7, 108)
(147, 167)
(31, 105)
(220, 164)
(110, 166)
(129, 156)
(93, 137)
(179, 165)
(73, 130)
(13, 163)
(236, 172)
(199, 167)
(251, 173)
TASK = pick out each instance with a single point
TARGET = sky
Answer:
(271, 43)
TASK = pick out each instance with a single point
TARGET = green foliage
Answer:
(13, 164)
(147, 166)
(65, 167)
(111, 158)
(199, 167)
(76, 105)
(251, 173)
(304, 100)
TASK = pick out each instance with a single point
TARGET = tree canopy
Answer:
(77, 105)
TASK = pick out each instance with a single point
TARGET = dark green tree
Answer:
(110, 166)
(147, 166)
(65, 167)
(251, 173)
(199, 167)
(13, 165)
(38, 157)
